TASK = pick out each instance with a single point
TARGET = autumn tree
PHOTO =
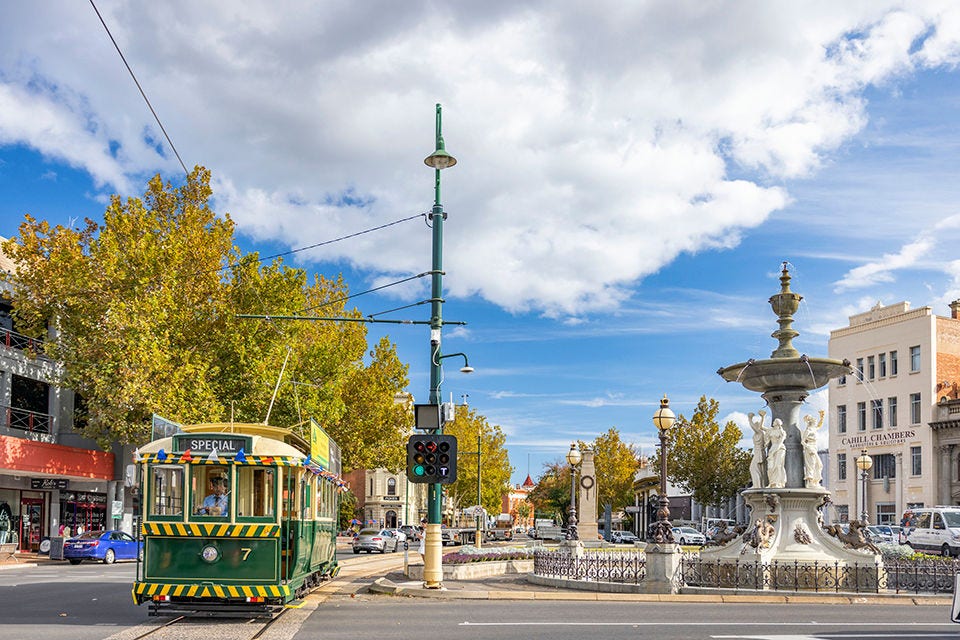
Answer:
(143, 313)
(616, 463)
(494, 461)
(704, 459)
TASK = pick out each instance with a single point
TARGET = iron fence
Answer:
(893, 576)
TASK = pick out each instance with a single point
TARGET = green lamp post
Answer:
(433, 544)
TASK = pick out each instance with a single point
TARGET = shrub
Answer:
(467, 555)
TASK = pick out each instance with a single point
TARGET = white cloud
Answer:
(596, 144)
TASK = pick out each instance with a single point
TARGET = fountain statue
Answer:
(787, 493)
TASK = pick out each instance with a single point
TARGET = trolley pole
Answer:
(433, 543)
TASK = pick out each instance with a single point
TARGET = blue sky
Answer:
(629, 178)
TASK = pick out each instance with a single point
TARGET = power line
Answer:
(137, 82)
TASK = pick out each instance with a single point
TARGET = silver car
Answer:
(688, 535)
(379, 540)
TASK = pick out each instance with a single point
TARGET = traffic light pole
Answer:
(433, 543)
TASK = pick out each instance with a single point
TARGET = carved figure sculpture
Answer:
(759, 536)
(777, 455)
(758, 463)
(812, 464)
(723, 537)
(854, 539)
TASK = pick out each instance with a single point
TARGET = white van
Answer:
(936, 530)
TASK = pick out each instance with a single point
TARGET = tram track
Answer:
(283, 626)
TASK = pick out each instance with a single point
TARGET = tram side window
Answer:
(257, 492)
(167, 491)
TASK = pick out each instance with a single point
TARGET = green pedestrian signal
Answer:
(432, 459)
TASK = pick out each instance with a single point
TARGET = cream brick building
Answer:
(896, 408)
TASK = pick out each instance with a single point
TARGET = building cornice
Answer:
(882, 322)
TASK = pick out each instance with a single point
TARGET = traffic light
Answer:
(432, 459)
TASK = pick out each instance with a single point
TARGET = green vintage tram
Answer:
(236, 519)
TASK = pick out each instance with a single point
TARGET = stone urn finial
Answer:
(785, 304)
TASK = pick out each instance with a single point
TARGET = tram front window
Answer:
(166, 486)
(211, 491)
(257, 492)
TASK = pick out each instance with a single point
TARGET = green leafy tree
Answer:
(143, 315)
(551, 496)
(704, 459)
(494, 461)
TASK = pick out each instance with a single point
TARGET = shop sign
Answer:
(48, 483)
(881, 438)
(116, 508)
(397, 498)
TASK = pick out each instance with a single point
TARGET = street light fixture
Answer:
(864, 463)
(664, 419)
(573, 457)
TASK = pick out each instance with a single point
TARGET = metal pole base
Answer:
(433, 558)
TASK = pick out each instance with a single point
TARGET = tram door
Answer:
(31, 523)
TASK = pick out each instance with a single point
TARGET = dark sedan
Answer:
(104, 546)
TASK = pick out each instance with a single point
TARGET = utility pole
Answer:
(433, 544)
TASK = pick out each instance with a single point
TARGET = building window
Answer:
(843, 513)
(861, 416)
(842, 418)
(914, 359)
(916, 461)
(914, 408)
(887, 513)
(371, 487)
(876, 409)
(893, 363)
(860, 369)
(884, 466)
(871, 368)
(892, 410)
(391, 486)
(842, 380)
(882, 358)
(841, 466)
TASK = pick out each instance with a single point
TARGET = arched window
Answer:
(391, 486)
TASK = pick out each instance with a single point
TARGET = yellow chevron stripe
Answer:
(219, 530)
(218, 591)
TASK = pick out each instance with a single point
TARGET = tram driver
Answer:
(217, 503)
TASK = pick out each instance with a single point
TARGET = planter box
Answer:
(474, 570)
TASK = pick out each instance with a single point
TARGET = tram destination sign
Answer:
(208, 443)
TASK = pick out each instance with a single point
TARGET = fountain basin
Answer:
(785, 373)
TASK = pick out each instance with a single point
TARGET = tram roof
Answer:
(267, 440)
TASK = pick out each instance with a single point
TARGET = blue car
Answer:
(105, 546)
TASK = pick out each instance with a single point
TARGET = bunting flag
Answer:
(136, 454)
(186, 456)
(306, 461)
(240, 457)
(213, 456)
(161, 455)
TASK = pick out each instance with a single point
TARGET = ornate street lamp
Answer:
(663, 419)
(573, 457)
(864, 462)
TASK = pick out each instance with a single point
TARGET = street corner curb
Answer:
(17, 565)
(386, 587)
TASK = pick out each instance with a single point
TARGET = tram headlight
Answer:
(210, 553)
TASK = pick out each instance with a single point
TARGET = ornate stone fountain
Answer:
(787, 492)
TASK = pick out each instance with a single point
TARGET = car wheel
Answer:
(383, 549)
(109, 557)
(76, 560)
(683, 541)
(356, 551)
(945, 551)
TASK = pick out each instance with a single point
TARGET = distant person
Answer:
(217, 503)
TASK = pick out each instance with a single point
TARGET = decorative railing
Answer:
(13, 340)
(25, 420)
(629, 567)
(593, 566)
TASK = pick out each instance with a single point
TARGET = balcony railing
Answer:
(25, 420)
(13, 340)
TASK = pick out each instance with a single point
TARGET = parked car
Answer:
(379, 540)
(399, 535)
(623, 537)
(449, 536)
(936, 530)
(880, 534)
(412, 532)
(104, 546)
(689, 536)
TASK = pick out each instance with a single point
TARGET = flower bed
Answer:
(468, 555)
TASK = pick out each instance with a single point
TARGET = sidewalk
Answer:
(26, 559)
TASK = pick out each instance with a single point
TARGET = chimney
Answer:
(955, 309)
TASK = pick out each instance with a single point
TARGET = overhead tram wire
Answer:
(142, 93)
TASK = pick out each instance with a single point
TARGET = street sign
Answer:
(632, 509)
